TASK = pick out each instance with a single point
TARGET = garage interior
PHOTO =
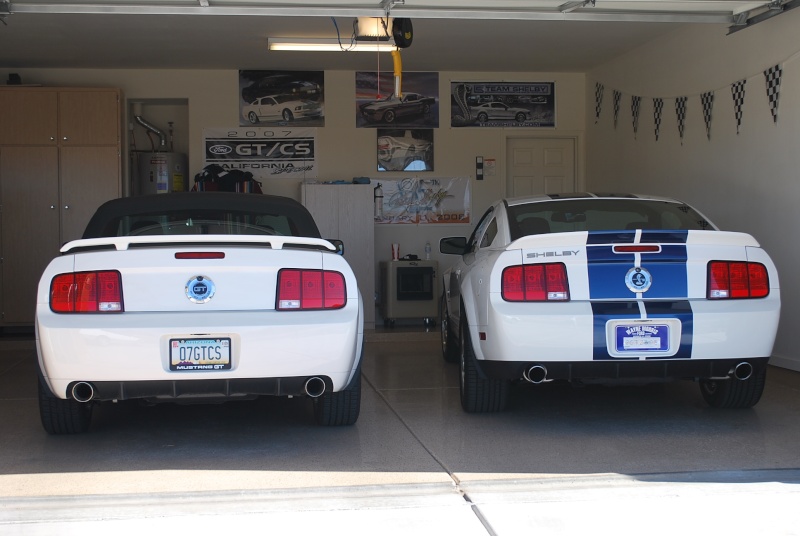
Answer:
(414, 459)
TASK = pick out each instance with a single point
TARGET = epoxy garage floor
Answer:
(624, 460)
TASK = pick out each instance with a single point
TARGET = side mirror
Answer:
(338, 244)
(453, 245)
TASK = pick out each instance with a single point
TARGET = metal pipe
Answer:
(83, 391)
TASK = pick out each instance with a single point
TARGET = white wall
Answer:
(746, 182)
(343, 151)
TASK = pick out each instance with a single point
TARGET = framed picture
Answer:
(405, 149)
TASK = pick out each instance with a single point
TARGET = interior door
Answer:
(540, 166)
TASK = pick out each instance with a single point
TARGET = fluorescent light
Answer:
(330, 45)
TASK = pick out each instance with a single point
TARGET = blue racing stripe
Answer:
(603, 312)
(607, 270)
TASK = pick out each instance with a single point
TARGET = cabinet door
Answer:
(28, 117)
(28, 225)
(89, 117)
(90, 176)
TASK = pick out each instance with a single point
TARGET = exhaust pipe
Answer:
(314, 387)
(536, 374)
(83, 392)
(743, 370)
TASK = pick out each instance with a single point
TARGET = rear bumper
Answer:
(127, 356)
(656, 370)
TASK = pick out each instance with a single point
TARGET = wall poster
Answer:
(285, 98)
(377, 106)
(503, 104)
(423, 201)
(405, 150)
(267, 153)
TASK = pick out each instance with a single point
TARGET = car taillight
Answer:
(310, 289)
(535, 282)
(87, 292)
(737, 280)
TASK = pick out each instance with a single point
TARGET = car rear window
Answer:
(202, 222)
(602, 215)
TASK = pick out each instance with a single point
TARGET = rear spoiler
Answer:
(122, 243)
(579, 238)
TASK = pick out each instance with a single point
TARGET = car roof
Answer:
(221, 201)
(583, 195)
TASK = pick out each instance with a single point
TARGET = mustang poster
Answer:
(286, 98)
(423, 201)
(503, 104)
(378, 107)
(267, 153)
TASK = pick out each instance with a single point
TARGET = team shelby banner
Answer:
(267, 153)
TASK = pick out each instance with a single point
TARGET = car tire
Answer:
(520, 117)
(340, 408)
(734, 393)
(389, 117)
(426, 109)
(449, 345)
(482, 117)
(63, 416)
(287, 115)
(253, 118)
(478, 394)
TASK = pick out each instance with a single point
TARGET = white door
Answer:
(540, 166)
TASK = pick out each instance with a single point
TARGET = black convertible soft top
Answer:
(104, 221)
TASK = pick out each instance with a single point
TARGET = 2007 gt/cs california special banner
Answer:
(267, 153)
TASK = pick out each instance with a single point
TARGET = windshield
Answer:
(602, 215)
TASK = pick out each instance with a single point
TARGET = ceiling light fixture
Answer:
(329, 45)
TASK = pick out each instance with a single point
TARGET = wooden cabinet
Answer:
(346, 212)
(60, 158)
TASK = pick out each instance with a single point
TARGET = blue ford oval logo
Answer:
(200, 289)
(219, 149)
(638, 279)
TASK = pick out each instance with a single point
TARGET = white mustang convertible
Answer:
(607, 288)
(193, 296)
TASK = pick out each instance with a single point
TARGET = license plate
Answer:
(636, 338)
(200, 354)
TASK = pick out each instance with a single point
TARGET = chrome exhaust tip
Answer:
(314, 387)
(83, 392)
(743, 371)
(536, 374)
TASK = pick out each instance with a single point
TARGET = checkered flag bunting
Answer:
(737, 90)
(617, 98)
(658, 107)
(636, 105)
(680, 112)
(707, 100)
(598, 100)
(773, 77)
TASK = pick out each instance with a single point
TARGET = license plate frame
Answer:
(637, 338)
(200, 354)
(669, 335)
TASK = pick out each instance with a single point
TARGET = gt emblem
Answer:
(200, 289)
(638, 279)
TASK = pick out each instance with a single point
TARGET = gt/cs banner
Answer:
(265, 152)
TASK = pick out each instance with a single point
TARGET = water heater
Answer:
(161, 173)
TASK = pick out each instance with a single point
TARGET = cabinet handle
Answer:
(52, 138)
(52, 207)
(65, 138)
(66, 207)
